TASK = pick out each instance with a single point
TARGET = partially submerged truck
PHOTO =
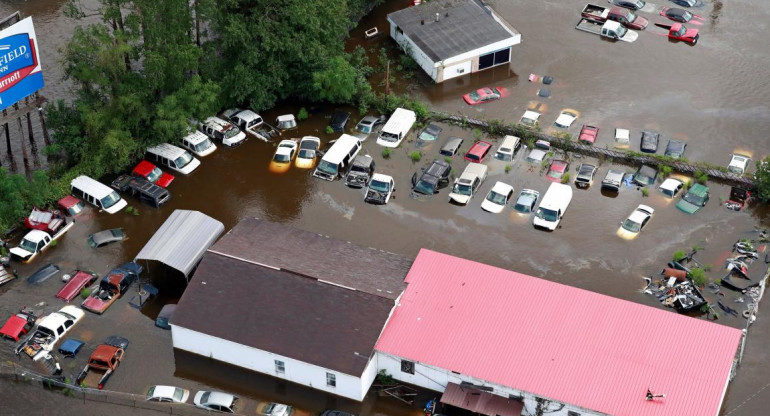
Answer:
(111, 287)
(49, 331)
(103, 363)
(610, 29)
(621, 15)
(37, 241)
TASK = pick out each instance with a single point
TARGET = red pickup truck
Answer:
(103, 363)
(623, 16)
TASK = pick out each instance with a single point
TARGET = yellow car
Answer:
(308, 152)
(284, 155)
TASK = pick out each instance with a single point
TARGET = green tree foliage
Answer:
(762, 180)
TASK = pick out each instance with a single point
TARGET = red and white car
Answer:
(484, 95)
(153, 174)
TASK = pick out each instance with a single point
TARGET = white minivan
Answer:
(553, 206)
(398, 126)
(97, 194)
(507, 148)
(336, 161)
(199, 144)
(172, 157)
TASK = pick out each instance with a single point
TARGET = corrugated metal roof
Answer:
(559, 342)
(462, 26)
(181, 241)
(479, 401)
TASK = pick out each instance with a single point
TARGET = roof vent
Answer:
(437, 16)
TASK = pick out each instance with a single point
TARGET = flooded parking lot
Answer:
(713, 95)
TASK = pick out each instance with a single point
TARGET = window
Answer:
(571, 413)
(331, 380)
(495, 58)
(407, 366)
(280, 367)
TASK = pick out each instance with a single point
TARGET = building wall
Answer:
(417, 54)
(434, 378)
(261, 361)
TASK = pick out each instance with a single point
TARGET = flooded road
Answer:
(585, 252)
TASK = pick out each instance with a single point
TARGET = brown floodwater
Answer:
(713, 95)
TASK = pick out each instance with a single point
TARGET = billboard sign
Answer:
(20, 71)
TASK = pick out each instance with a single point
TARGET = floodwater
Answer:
(713, 95)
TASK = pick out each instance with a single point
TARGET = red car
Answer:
(588, 134)
(679, 32)
(71, 206)
(18, 325)
(76, 284)
(483, 95)
(478, 151)
(557, 170)
(152, 173)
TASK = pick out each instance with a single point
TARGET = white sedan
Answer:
(168, 394)
(671, 187)
(739, 164)
(380, 189)
(565, 119)
(635, 222)
(497, 198)
(530, 118)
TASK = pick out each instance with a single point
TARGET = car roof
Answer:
(287, 141)
(310, 139)
(436, 168)
(144, 167)
(433, 127)
(246, 115)
(638, 216)
(285, 117)
(69, 201)
(698, 189)
(585, 167)
(363, 160)
(670, 184)
(501, 188)
(163, 391)
(36, 235)
(559, 163)
(452, 142)
(104, 352)
(534, 115)
(566, 117)
(106, 235)
(219, 398)
(382, 178)
(480, 146)
(195, 137)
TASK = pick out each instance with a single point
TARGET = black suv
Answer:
(431, 178)
(339, 121)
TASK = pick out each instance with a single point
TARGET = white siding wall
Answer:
(264, 362)
(418, 55)
(434, 378)
(458, 70)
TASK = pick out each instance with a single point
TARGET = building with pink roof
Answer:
(502, 343)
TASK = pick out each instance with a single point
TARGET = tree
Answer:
(762, 180)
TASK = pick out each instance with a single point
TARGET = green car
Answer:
(694, 199)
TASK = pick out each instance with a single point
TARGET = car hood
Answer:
(640, 23)
(490, 206)
(537, 155)
(164, 180)
(375, 196)
(460, 199)
(21, 253)
(690, 33)
(356, 178)
(95, 304)
(687, 207)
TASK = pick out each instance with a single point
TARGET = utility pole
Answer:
(387, 78)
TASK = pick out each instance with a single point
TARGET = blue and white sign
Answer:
(20, 71)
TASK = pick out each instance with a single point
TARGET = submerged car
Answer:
(675, 149)
(166, 312)
(645, 176)
(539, 151)
(217, 401)
(307, 156)
(71, 206)
(18, 325)
(677, 15)
(368, 124)
(497, 198)
(430, 133)
(451, 147)
(152, 173)
(612, 180)
(484, 95)
(670, 187)
(565, 119)
(629, 4)
(738, 164)
(526, 201)
(283, 156)
(530, 118)
(361, 171)
(637, 220)
(339, 121)
(557, 170)
(102, 238)
(694, 199)
(687, 3)
(649, 142)
(478, 151)
(274, 409)
(76, 283)
(585, 176)
(622, 138)
(678, 31)
(432, 178)
(588, 134)
(380, 189)
(286, 122)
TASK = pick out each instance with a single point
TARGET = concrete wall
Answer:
(296, 371)
(434, 378)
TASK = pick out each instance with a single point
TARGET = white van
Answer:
(468, 183)
(199, 144)
(219, 129)
(173, 157)
(397, 127)
(97, 194)
(336, 161)
(507, 148)
(553, 206)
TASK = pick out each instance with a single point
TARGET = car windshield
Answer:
(527, 121)
(379, 186)
(631, 16)
(621, 31)
(474, 96)
(472, 156)
(359, 168)
(183, 160)
(178, 394)
(327, 167)
(428, 135)
(681, 31)
(28, 245)
(75, 209)
(364, 127)
(498, 199)
(231, 132)
(462, 189)
(687, 16)
(91, 242)
(202, 145)
(154, 174)
(110, 200)
(668, 192)
(554, 174)
(424, 187)
(524, 206)
(632, 226)
(693, 199)
(281, 158)
(205, 397)
(547, 214)
(504, 154)
(735, 169)
(306, 154)
(45, 331)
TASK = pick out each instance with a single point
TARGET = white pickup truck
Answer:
(609, 29)
(50, 330)
(468, 183)
(37, 241)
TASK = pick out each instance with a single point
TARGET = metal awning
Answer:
(479, 401)
(182, 240)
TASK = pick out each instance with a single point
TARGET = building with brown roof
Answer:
(292, 304)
